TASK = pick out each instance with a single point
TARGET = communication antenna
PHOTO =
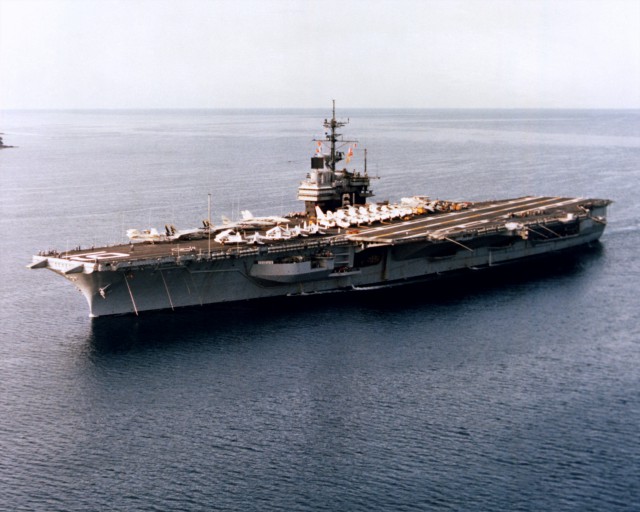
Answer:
(209, 221)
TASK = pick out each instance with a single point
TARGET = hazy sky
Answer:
(302, 53)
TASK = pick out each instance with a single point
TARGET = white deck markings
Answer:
(451, 217)
(464, 219)
(472, 224)
(99, 255)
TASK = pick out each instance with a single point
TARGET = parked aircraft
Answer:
(146, 235)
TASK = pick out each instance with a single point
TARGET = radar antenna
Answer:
(326, 186)
(332, 136)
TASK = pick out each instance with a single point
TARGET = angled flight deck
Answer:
(340, 242)
(487, 216)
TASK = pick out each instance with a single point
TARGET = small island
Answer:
(2, 145)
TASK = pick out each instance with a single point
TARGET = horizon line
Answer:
(80, 109)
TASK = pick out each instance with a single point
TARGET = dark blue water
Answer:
(512, 391)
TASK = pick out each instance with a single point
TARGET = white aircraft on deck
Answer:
(229, 236)
(184, 234)
(324, 220)
(256, 238)
(331, 220)
(250, 222)
(278, 233)
(314, 229)
(146, 235)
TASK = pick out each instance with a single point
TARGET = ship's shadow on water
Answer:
(152, 330)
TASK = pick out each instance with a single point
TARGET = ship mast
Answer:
(332, 136)
(327, 186)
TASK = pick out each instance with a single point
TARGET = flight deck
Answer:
(478, 218)
(340, 242)
(486, 216)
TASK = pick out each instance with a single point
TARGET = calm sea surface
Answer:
(520, 391)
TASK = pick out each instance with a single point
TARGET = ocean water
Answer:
(513, 391)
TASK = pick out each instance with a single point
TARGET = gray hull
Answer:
(340, 242)
(112, 288)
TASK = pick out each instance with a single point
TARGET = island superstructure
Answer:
(340, 242)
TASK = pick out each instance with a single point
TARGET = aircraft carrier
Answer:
(340, 242)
